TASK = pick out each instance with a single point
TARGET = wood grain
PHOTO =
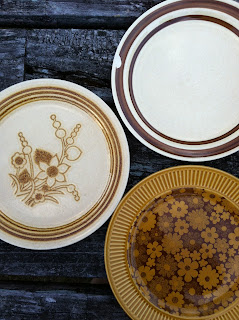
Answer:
(84, 259)
(72, 13)
(60, 302)
(12, 56)
(81, 56)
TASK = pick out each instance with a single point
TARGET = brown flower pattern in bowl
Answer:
(183, 252)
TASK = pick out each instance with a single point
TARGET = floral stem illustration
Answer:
(50, 178)
(63, 151)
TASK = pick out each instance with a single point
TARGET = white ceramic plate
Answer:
(64, 163)
(175, 79)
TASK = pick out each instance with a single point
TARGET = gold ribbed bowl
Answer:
(172, 247)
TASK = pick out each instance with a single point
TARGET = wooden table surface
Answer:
(73, 40)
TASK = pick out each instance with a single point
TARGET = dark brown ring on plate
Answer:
(132, 65)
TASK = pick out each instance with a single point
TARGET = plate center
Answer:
(185, 81)
(183, 252)
(53, 170)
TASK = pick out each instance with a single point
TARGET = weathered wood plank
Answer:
(81, 56)
(81, 260)
(28, 301)
(12, 54)
(72, 13)
(145, 162)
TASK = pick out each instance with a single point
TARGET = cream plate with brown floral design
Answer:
(64, 163)
(172, 248)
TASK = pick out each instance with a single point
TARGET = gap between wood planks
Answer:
(41, 22)
(89, 14)
(6, 281)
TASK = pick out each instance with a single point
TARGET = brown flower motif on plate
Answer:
(41, 176)
(188, 252)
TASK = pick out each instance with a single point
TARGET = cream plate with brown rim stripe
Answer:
(64, 163)
(175, 79)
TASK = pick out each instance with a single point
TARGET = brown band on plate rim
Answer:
(136, 54)
(215, 5)
(52, 97)
(87, 215)
(84, 216)
(46, 234)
